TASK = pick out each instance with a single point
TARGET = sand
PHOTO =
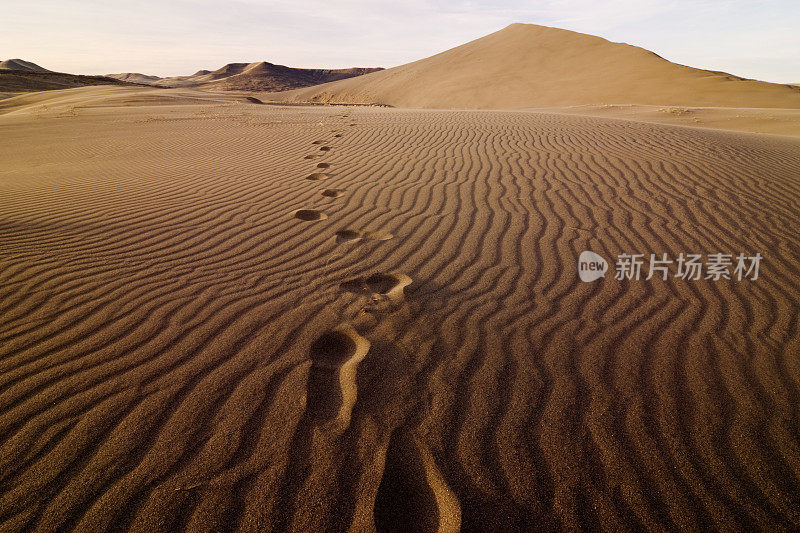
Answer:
(527, 65)
(180, 350)
(774, 121)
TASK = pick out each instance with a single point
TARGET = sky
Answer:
(754, 39)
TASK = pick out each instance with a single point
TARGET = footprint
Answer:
(380, 286)
(338, 135)
(350, 234)
(325, 149)
(253, 100)
(378, 235)
(311, 156)
(310, 215)
(323, 165)
(317, 176)
(331, 389)
(413, 495)
(317, 142)
(332, 193)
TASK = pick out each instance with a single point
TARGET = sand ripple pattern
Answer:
(159, 300)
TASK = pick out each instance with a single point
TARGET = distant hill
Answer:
(17, 75)
(135, 77)
(259, 76)
(526, 65)
(21, 65)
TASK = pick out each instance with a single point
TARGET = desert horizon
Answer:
(539, 280)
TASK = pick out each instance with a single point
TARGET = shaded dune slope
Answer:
(21, 64)
(526, 65)
(162, 311)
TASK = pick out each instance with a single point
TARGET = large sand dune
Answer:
(220, 315)
(526, 65)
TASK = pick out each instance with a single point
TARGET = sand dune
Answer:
(179, 351)
(258, 76)
(526, 65)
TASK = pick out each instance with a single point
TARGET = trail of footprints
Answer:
(335, 355)
(410, 472)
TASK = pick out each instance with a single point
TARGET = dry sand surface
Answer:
(219, 315)
(756, 120)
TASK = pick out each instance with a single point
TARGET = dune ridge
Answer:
(160, 304)
(257, 76)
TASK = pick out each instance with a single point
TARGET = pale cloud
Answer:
(754, 39)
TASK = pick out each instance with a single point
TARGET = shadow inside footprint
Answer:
(311, 156)
(317, 142)
(332, 193)
(317, 176)
(331, 389)
(335, 347)
(310, 215)
(348, 235)
(325, 149)
(323, 165)
(413, 496)
(385, 283)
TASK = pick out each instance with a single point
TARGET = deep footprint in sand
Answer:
(348, 235)
(311, 156)
(332, 193)
(323, 165)
(331, 388)
(317, 176)
(317, 142)
(310, 215)
(390, 286)
(325, 149)
(413, 494)
(338, 135)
